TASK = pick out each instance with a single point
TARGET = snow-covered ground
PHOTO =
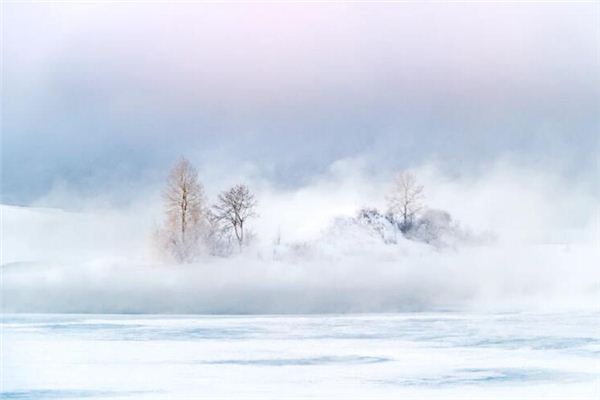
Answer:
(416, 355)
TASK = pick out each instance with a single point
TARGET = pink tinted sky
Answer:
(86, 82)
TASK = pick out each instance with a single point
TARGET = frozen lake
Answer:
(421, 355)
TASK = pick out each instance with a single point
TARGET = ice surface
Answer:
(415, 355)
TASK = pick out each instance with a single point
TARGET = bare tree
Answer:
(234, 207)
(185, 212)
(217, 236)
(406, 199)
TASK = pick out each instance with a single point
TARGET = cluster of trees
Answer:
(407, 213)
(192, 226)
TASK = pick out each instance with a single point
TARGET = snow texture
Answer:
(418, 356)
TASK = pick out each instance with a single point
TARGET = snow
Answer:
(386, 356)
(57, 262)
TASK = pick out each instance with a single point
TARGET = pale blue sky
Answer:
(99, 95)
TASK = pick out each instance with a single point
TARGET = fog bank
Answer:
(539, 250)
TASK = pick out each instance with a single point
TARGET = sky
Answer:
(104, 97)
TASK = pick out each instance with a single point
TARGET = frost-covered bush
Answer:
(433, 227)
(376, 234)
(437, 228)
(382, 225)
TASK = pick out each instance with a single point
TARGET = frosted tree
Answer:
(233, 209)
(186, 214)
(217, 236)
(406, 199)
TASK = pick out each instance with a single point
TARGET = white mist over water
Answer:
(100, 258)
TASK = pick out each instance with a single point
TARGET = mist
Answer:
(536, 247)
(314, 106)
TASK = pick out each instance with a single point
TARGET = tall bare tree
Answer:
(234, 207)
(185, 212)
(406, 199)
